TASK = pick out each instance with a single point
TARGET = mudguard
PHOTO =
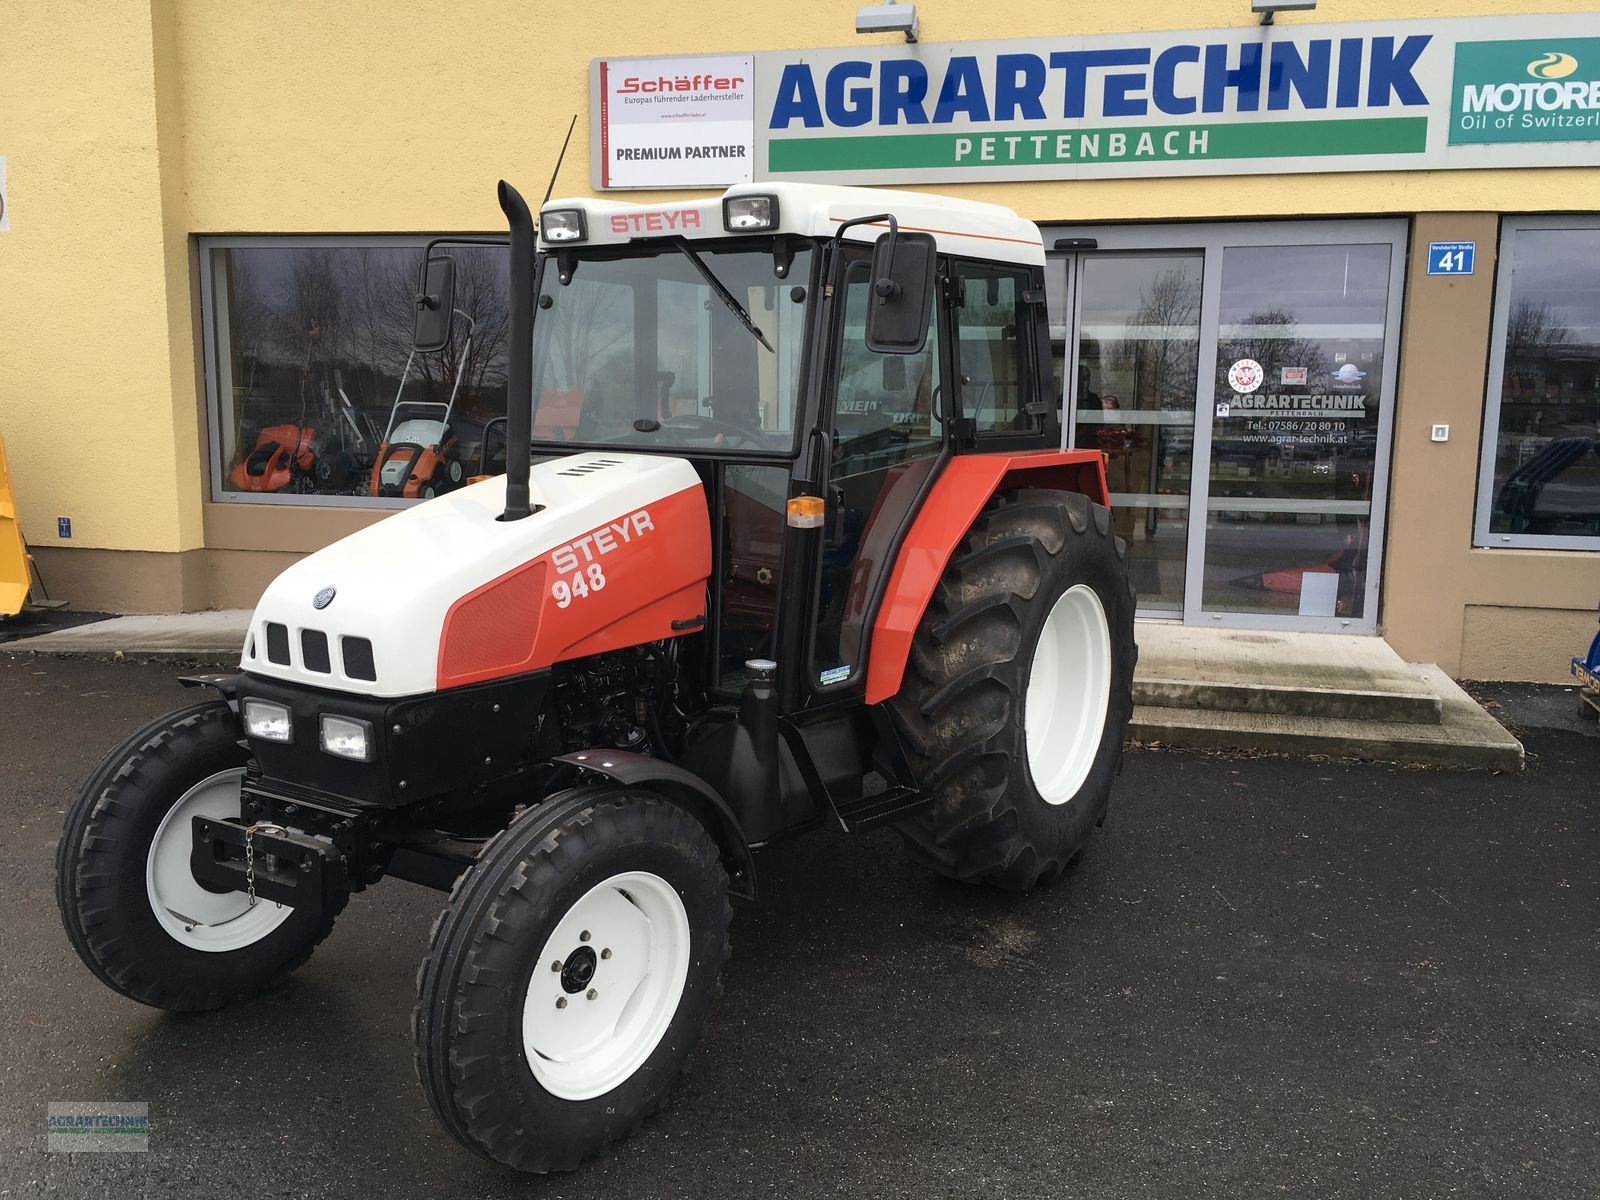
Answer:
(957, 497)
(689, 792)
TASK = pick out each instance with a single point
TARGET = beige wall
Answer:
(1478, 613)
(132, 125)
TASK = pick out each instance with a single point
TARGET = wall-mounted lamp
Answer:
(888, 18)
(1271, 8)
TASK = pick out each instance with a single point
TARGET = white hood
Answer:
(394, 582)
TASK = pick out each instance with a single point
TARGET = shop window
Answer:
(306, 343)
(1540, 480)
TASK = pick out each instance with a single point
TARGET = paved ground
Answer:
(1270, 977)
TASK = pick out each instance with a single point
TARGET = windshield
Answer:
(644, 351)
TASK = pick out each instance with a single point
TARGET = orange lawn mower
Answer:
(283, 458)
(421, 455)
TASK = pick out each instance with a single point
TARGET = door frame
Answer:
(1213, 239)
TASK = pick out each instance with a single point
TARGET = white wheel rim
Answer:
(201, 920)
(582, 1043)
(1069, 691)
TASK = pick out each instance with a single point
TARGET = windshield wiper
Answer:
(723, 293)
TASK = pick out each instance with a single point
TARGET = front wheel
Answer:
(133, 910)
(570, 976)
(1019, 690)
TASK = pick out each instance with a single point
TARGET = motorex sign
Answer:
(1543, 90)
(1248, 100)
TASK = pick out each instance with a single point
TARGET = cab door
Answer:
(887, 435)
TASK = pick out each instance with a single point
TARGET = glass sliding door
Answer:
(1138, 352)
(1299, 400)
(1239, 379)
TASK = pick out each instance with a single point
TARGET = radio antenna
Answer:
(559, 157)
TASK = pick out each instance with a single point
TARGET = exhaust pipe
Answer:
(519, 358)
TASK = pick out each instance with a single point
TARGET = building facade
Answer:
(1326, 291)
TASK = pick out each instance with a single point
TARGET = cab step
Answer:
(883, 808)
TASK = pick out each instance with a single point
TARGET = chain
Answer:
(250, 856)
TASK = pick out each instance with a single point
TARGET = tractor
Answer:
(785, 541)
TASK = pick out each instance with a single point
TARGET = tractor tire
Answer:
(1018, 691)
(132, 910)
(570, 976)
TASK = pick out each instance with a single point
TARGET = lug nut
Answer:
(605, 954)
(556, 966)
(592, 993)
(584, 936)
(397, 729)
(561, 1001)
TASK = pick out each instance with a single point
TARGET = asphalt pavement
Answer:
(1268, 977)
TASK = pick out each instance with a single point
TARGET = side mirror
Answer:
(894, 373)
(435, 304)
(902, 290)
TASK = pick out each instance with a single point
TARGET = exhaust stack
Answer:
(519, 358)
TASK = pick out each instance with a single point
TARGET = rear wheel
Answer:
(569, 978)
(1019, 690)
(133, 909)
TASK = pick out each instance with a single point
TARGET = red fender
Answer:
(958, 496)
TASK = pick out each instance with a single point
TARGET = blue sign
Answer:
(64, 527)
(1452, 258)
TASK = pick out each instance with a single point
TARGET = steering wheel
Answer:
(694, 424)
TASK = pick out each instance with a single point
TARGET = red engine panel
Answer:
(958, 495)
(619, 584)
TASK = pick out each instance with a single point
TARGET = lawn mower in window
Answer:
(421, 456)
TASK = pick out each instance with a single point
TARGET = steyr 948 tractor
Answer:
(785, 540)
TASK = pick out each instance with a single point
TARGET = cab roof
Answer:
(968, 228)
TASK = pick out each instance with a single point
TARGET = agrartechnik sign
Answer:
(1395, 95)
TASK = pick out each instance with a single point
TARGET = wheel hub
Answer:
(578, 970)
(585, 1036)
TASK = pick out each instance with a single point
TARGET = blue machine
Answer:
(1587, 672)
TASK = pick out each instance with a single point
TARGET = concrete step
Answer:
(1465, 736)
(1289, 700)
(1276, 674)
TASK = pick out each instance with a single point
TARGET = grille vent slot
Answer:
(278, 643)
(357, 652)
(314, 651)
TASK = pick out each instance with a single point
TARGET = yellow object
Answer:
(13, 554)
(806, 512)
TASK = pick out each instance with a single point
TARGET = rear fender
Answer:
(954, 502)
(690, 793)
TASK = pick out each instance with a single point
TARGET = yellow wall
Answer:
(96, 354)
(129, 125)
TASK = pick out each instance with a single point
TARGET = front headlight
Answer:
(347, 737)
(267, 721)
(563, 225)
(746, 214)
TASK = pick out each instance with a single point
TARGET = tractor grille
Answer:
(314, 653)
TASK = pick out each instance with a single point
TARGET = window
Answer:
(991, 324)
(642, 351)
(1539, 484)
(306, 344)
(887, 409)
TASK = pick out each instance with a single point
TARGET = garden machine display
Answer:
(814, 585)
